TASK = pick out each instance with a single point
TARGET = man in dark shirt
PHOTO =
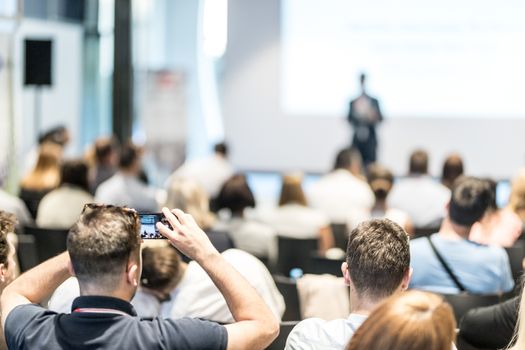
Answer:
(104, 254)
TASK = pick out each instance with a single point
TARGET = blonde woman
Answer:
(412, 320)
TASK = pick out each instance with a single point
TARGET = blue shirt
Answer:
(480, 268)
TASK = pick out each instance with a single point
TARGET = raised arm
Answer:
(35, 285)
(256, 327)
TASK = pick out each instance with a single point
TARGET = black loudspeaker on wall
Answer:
(38, 62)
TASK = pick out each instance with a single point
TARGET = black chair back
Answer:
(425, 231)
(461, 303)
(48, 242)
(26, 252)
(293, 252)
(340, 233)
(319, 265)
(284, 330)
(288, 288)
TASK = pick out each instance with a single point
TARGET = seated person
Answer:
(104, 254)
(474, 268)
(60, 208)
(409, 321)
(377, 266)
(171, 288)
(7, 256)
(234, 200)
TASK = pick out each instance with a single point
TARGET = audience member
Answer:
(420, 196)
(490, 327)
(447, 262)
(452, 169)
(381, 180)
(409, 321)
(341, 191)
(377, 266)
(58, 135)
(210, 172)
(293, 218)
(189, 196)
(61, 207)
(43, 178)
(104, 253)
(125, 187)
(7, 257)
(105, 161)
(15, 205)
(519, 332)
(247, 234)
(500, 227)
(517, 195)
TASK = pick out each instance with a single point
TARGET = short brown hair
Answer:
(292, 191)
(7, 225)
(378, 257)
(160, 267)
(418, 162)
(409, 321)
(101, 242)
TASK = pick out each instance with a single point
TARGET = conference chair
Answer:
(288, 288)
(516, 254)
(26, 252)
(284, 330)
(424, 231)
(48, 242)
(340, 233)
(294, 253)
(461, 303)
(319, 265)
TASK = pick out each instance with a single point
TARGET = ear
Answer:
(70, 268)
(346, 274)
(406, 279)
(133, 273)
(3, 273)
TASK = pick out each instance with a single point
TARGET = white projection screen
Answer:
(424, 58)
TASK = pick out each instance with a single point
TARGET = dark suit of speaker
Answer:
(364, 114)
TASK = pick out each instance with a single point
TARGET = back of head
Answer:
(58, 135)
(221, 148)
(412, 320)
(74, 172)
(418, 164)
(378, 258)
(161, 267)
(292, 191)
(105, 149)
(101, 243)
(235, 195)
(452, 169)
(129, 156)
(46, 172)
(347, 158)
(380, 180)
(469, 201)
(189, 196)
(7, 226)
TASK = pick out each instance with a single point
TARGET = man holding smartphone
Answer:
(104, 254)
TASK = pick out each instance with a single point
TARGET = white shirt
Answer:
(61, 207)
(295, 220)
(318, 334)
(339, 193)
(211, 173)
(15, 206)
(422, 198)
(194, 296)
(125, 190)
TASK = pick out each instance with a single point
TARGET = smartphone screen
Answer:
(148, 225)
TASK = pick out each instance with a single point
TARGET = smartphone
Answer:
(148, 225)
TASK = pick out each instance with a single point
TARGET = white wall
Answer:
(264, 138)
(60, 103)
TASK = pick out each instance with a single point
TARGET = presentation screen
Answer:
(444, 59)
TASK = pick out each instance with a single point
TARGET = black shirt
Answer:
(98, 322)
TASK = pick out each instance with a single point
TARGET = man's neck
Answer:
(360, 305)
(453, 231)
(119, 293)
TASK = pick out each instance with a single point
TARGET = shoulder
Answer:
(186, 333)
(315, 333)
(25, 318)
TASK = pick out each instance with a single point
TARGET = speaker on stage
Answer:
(38, 62)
